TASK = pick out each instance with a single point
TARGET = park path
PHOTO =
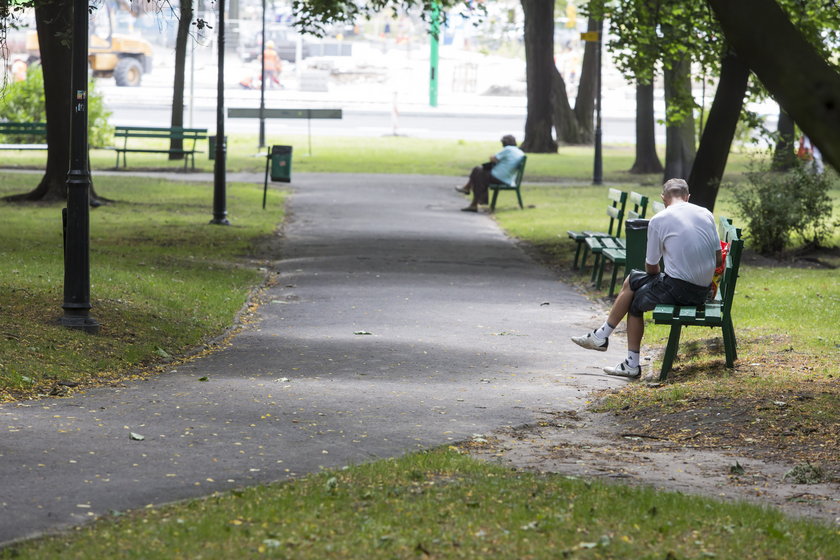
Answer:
(467, 335)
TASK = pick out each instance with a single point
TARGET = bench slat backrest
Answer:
(520, 171)
(640, 204)
(732, 235)
(616, 210)
(658, 207)
(160, 132)
(23, 128)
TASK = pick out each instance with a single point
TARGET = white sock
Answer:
(632, 359)
(604, 331)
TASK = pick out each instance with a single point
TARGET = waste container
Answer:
(636, 243)
(281, 163)
(211, 146)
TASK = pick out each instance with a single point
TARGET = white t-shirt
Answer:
(685, 235)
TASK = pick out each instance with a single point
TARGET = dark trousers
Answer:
(480, 181)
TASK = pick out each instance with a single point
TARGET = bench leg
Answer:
(583, 258)
(493, 200)
(599, 281)
(519, 198)
(577, 253)
(729, 344)
(595, 264)
(614, 278)
(670, 351)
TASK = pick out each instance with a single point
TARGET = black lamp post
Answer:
(598, 167)
(219, 187)
(76, 216)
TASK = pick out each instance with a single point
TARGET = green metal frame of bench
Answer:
(717, 313)
(616, 213)
(617, 254)
(23, 129)
(520, 170)
(162, 133)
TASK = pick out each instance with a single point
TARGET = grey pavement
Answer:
(467, 334)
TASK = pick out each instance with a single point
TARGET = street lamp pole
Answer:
(598, 170)
(76, 216)
(219, 186)
(262, 82)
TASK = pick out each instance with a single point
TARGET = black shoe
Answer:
(462, 190)
(469, 209)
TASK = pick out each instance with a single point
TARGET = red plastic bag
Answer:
(724, 250)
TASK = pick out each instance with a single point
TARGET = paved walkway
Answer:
(467, 334)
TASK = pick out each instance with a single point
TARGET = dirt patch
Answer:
(606, 446)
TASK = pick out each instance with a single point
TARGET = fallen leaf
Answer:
(136, 437)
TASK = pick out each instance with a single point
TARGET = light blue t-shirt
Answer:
(507, 164)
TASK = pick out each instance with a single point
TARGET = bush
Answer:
(777, 205)
(24, 102)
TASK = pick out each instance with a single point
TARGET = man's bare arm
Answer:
(652, 268)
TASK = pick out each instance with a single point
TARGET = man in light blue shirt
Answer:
(500, 170)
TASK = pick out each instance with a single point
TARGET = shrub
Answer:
(24, 102)
(776, 205)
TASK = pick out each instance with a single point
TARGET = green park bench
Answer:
(597, 244)
(18, 129)
(618, 200)
(160, 133)
(513, 187)
(715, 313)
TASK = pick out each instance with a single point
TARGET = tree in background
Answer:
(185, 18)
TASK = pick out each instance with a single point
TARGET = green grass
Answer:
(384, 154)
(443, 505)
(162, 279)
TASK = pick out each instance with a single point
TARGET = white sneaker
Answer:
(591, 341)
(624, 370)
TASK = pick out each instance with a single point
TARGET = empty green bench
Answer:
(716, 313)
(617, 201)
(597, 245)
(14, 129)
(168, 134)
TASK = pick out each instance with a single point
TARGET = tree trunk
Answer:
(797, 76)
(647, 160)
(585, 99)
(784, 156)
(708, 168)
(565, 121)
(679, 136)
(53, 20)
(181, 39)
(539, 69)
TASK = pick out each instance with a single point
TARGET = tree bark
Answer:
(710, 163)
(647, 160)
(585, 99)
(784, 156)
(680, 147)
(181, 39)
(539, 69)
(565, 121)
(797, 76)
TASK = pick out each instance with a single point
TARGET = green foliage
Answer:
(24, 102)
(778, 205)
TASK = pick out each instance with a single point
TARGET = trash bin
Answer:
(636, 244)
(281, 163)
(211, 146)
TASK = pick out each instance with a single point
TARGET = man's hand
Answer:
(494, 159)
(652, 268)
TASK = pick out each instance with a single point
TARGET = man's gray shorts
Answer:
(649, 290)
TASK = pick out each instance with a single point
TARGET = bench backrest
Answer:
(520, 171)
(39, 128)
(160, 132)
(616, 210)
(732, 235)
(640, 204)
(658, 207)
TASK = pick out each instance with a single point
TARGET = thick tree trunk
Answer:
(784, 156)
(539, 69)
(181, 39)
(710, 163)
(585, 99)
(565, 121)
(797, 76)
(647, 160)
(679, 136)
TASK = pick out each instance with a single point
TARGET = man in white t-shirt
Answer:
(501, 169)
(684, 236)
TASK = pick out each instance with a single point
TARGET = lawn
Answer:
(441, 504)
(163, 280)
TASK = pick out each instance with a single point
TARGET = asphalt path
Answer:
(466, 334)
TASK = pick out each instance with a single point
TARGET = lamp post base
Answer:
(220, 221)
(80, 322)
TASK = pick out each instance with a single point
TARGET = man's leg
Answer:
(468, 186)
(480, 179)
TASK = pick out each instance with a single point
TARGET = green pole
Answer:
(433, 57)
